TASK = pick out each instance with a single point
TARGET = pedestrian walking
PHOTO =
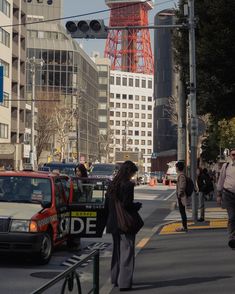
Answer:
(123, 254)
(181, 195)
(226, 194)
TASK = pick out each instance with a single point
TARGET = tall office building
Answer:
(13, 109)
(165, 90)
(103, 66)
(68, 75)
(131, 114)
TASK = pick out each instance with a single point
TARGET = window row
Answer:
(46, 35)
(130, 97)
(131, 82)
(6, 67)
(131, 114)
(4, 37)
(5, 7)
(131, 142)
(131, 124)
(3, 131)
(5, 102)
(131, 106)
(135, 133)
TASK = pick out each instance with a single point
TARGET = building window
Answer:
(137, 83)
(143, 115)
(124, 105)
(137, 97)
(111, 95)
(143, 107)
(111, 104)
(149, 134)
(137, 124)
(130, 106)
(118, 123)
(130, 97)
(5, 68)
(102, 105)
(118, 105)
(137, 106)
(5, 7)
(149, 151)
(3, 131)
(137, 115)
(124, 96)
(124, 81)
(136, 133)
(5, 102)
(130, 114)
(130, 82)
(118, 81)
(136, 142)
(112, 80)
(143, 84)
(118, 96)
(111, 122)
(124, 114)
(142, 142)
(149, 107)
(103, 81)
(4, 37)
(111, 113)
(102, 118)
(149, 142)
(117, 141)
(117, 132)
(149, 99)
(149, 116)
(102, 93)
(143, 124)
(118, 114)
(150, 84)
(142, 133)
(143, 98)
(149, 125)
(130, 132)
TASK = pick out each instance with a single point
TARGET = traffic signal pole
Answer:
(193, 105)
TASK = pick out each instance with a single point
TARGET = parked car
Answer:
(104, 170)
(67, 168)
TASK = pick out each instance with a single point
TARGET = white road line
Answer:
(168, 197)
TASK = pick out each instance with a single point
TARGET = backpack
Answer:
(189, 186)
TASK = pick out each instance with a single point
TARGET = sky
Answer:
(77, 7)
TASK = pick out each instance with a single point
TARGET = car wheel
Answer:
(45, 249)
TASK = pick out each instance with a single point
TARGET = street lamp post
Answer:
(87, 133)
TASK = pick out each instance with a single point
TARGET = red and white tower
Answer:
(129, 50)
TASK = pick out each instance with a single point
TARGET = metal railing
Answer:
(70, 276)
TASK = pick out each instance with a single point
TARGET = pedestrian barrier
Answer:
(71, 277)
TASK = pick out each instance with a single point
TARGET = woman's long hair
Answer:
(127, 169)
(82, 169)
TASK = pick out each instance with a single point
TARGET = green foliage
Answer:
(215, 62)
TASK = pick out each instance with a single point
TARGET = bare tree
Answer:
(63, 120)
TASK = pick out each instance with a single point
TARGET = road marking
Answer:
(142, 243)
(168, 197)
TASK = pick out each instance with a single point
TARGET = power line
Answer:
(81, 15)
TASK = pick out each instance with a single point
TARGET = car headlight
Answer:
(23, 226)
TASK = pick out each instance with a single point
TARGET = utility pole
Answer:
(192, 103)
(33, 62)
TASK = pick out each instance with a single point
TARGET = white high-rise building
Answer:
(5, 61)
(131, 114)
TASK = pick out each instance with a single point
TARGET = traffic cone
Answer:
(151, 182)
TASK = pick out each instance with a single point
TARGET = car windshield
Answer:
(25, 189)
(103, 169)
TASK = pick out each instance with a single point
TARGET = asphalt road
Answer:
(20, 275)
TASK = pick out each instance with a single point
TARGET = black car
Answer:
(67, 168)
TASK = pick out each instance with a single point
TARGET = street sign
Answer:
(7, 148)
(1, 84)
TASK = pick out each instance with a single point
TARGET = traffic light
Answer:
(91, 29)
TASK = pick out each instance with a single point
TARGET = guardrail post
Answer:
(96, 272)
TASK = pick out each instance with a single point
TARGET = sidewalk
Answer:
(196, 262)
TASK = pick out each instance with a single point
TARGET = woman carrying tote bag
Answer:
(120, 196)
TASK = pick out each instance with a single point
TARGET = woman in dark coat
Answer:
(123, 255)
